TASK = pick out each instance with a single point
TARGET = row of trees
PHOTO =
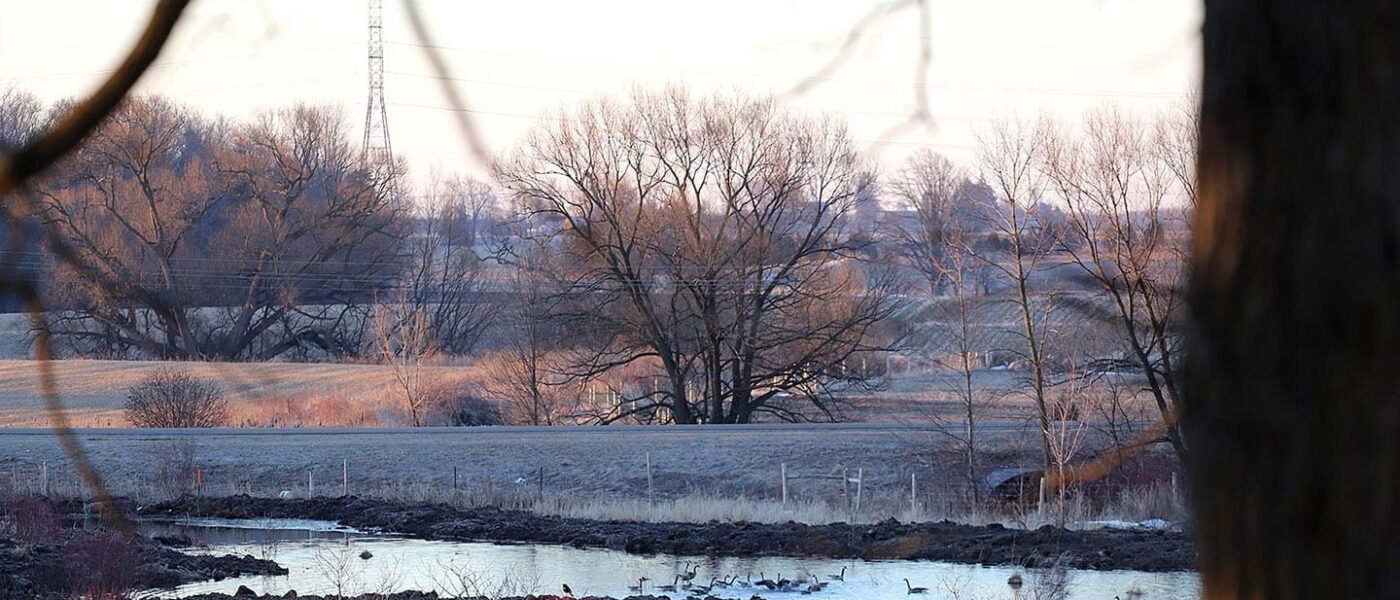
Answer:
(201, 238)
(1108, 198)
(699, 259)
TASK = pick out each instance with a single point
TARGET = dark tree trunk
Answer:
(715, 382)
(741, 406)
(1292, 404)
(680, 402)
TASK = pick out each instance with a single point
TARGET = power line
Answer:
(840, 111)
(800, 78)
(170, 64)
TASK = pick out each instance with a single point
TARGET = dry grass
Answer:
(260, 394)
(1131, 505)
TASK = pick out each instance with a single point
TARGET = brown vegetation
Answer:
(708, 234)
(172, 398)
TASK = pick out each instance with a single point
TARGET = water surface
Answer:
(325, 559)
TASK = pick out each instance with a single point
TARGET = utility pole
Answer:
(376, 144)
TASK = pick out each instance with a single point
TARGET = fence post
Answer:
(782, 474)
(860, 484)
(913, 494)
(1176, 494)
(310, 483)
(846, 486)
(651, 491)
(345, 477)
(454, 478)
(44, 469)
(541, 490)
(1040, 506)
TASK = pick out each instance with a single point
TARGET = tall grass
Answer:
(1130, 504)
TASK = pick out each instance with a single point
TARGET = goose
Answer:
(841, 577)
(815, 586)
(366, 555)
(703, 589)
(688, 573)
(1014, 581)
(671, 587)
(567, 591)
(765, 582)
(915, 590)
(748, 580)
(723, 583)
(637, 588)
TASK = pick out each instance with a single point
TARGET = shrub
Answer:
(175, 467)
(175, 398)
(465, 409)
(100, 564)
(34, 519)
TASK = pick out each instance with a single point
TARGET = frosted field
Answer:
(504, 466)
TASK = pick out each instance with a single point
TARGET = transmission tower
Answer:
(376, 116)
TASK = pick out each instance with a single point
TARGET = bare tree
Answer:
(709, 236)
(447, 276)
(936, 240)
(932, 188)
(230, 241)
(1008, 156)
(405, 341)
(1068, 402)
(591, 172)
(22, 116)
(1126, 238)
(526, 374)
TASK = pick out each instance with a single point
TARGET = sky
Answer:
(516, 61)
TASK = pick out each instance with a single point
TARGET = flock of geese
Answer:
(802, 584)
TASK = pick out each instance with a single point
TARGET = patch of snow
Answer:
(1159, 524)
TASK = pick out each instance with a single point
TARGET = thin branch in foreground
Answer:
(476, 146)
(37, 156)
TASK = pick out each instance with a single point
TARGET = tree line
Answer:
(664, 257)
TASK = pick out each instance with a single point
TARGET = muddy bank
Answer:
(96, 562)
(1102, 549)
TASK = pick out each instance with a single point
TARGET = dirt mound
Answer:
(1105, 549)
(95, 562)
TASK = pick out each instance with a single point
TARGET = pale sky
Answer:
(516, 60)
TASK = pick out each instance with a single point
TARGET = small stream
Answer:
(326, 559)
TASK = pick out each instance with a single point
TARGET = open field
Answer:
(331, 417)
(292, 394)
(279, 394)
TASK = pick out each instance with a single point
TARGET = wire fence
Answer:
(855, 493)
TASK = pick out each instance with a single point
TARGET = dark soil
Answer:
(1102, 549)
(85, 562)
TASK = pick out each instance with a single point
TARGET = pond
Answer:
(325, 559)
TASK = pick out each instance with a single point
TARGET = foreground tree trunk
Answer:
(1293, 408)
